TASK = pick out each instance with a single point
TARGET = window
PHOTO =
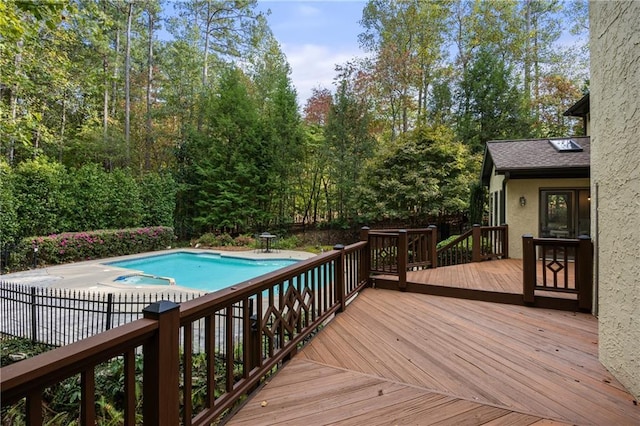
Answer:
(565, 145)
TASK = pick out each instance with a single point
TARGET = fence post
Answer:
(433, 245)
(403, 254)
(161, 366)
(505, 241)
(365, 262)
(109, 310)
(584, 273)
(476, 241)
(34, 325)
(340, 278)
(528, 268)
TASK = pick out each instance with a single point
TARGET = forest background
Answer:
(104, 124)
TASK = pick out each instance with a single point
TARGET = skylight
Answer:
(565, 145)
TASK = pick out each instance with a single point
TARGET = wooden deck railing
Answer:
(264, 322)
(566, 265)
(396, 251)
(477, 244)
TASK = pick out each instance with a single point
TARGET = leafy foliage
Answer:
(428, 174)
(76, 246)
(104, 124)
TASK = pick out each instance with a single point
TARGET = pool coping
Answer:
(96, 275)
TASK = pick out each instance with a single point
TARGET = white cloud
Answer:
(314, 66)
(306, 10)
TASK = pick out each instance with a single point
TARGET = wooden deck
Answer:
(403, 358)
(498, 281)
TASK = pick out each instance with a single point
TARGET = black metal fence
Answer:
(58, 317)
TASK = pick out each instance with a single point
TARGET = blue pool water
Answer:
(208, 272)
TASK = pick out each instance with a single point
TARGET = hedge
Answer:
(77, 246)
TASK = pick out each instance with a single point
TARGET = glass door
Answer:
(584, 212)
(556, 215)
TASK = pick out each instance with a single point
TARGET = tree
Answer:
(556, 95)
(281, 135)
(428, 174)
(408, 39)
(230, 186)
(317, 108)
(490, 104)
(349, 143)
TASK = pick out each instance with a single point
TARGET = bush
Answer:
(39, 192)
(244, 241)
(76, 246)
(288, 243)
(158, 195)
(8, 206)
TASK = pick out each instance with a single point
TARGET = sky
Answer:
(315, 36)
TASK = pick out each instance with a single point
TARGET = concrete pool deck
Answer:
(96, 275)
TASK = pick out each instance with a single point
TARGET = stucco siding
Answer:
(525, 220)
(615, 172)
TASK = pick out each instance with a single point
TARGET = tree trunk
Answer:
(105, 102)
(14, 103)
(62, 125)
(205, 65)
(127, 87)
(114, 87)
(149, 137)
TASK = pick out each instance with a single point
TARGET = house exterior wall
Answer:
(615, 171)
(526, 220)
(495, 187)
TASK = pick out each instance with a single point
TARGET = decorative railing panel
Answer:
(383, 247)
(388, 246)
(558, 265)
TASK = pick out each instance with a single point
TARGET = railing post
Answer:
(476, 241)
(365, 261)
(161, 364)
(340, 278)
(505, 241)
(433, 245)
(403, 248)
(255, 348)
(584, 273)
(528, 268)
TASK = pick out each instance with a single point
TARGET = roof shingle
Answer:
(511, 155)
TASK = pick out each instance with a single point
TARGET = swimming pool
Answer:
(200, 271)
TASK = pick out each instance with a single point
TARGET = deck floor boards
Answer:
(404, 358)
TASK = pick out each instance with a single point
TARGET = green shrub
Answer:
(8, 205)
(224, 240)
(208, 240)
(288, 243)
(447, 241)
(39, 192)
(158, 196)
